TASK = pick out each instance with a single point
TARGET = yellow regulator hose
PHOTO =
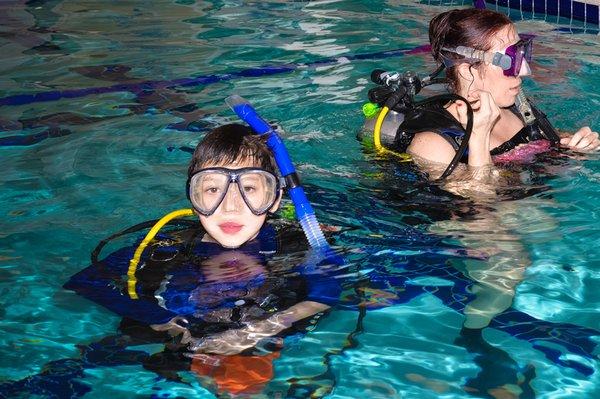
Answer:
(133, 263)
(377, 137)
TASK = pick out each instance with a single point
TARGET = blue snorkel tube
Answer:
(304, 212)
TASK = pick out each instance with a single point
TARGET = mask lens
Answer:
(517, 52)
(207, 190)
(259, 189)
(528, 50)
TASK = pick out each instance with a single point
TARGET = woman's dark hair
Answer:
(229, 144)
(469, 27)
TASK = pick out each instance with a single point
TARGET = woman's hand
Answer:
(485, 115)
(176, 326)
(583, 140)
(228, 342)
(485, 112)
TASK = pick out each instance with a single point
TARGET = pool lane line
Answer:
(202, 80)
(585, 11)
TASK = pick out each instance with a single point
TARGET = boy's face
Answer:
(233, 223)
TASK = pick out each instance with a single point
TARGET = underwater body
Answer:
(90, 161)
(419, 268)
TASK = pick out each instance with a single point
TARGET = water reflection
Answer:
(499, 226)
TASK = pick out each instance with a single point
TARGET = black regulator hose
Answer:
(149, 223)
(468, 129)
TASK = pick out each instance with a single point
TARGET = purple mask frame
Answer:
(517, 52)
(510, 61)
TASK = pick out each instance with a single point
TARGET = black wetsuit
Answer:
(173, 281)
(435, 118)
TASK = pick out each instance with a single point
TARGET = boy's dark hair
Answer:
(229, 144)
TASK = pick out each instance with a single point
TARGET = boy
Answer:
(232, 185)
(213, 289)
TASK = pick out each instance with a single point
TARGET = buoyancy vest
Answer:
(174, 280)
(435, 118)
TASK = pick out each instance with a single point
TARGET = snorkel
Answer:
(304, 212)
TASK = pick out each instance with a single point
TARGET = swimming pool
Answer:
(83, 161)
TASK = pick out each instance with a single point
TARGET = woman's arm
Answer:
(485, 115)
(466, 181)
(434, 149)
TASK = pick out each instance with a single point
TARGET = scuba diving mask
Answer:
(510, 61)
(258, 188)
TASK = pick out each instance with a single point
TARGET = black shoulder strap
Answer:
(132, 229)
(539, 129)
(546, 127)
(430, 117)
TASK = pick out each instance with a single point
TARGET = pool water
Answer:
(128, 89)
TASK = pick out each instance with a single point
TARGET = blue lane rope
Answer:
(203, 80)
(591, 12)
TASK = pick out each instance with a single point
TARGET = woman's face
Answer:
(491, 78)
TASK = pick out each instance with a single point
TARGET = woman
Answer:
(485, 61)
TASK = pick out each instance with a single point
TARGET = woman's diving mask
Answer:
(510, 61)
(258, 188)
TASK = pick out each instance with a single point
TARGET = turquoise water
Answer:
(93, 165)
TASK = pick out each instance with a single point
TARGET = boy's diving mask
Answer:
(258, 188)
(510, 61)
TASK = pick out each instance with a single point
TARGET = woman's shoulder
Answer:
(431, 146)
(432, 117)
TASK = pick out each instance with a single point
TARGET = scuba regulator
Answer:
(396, 92)
(535, 120)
